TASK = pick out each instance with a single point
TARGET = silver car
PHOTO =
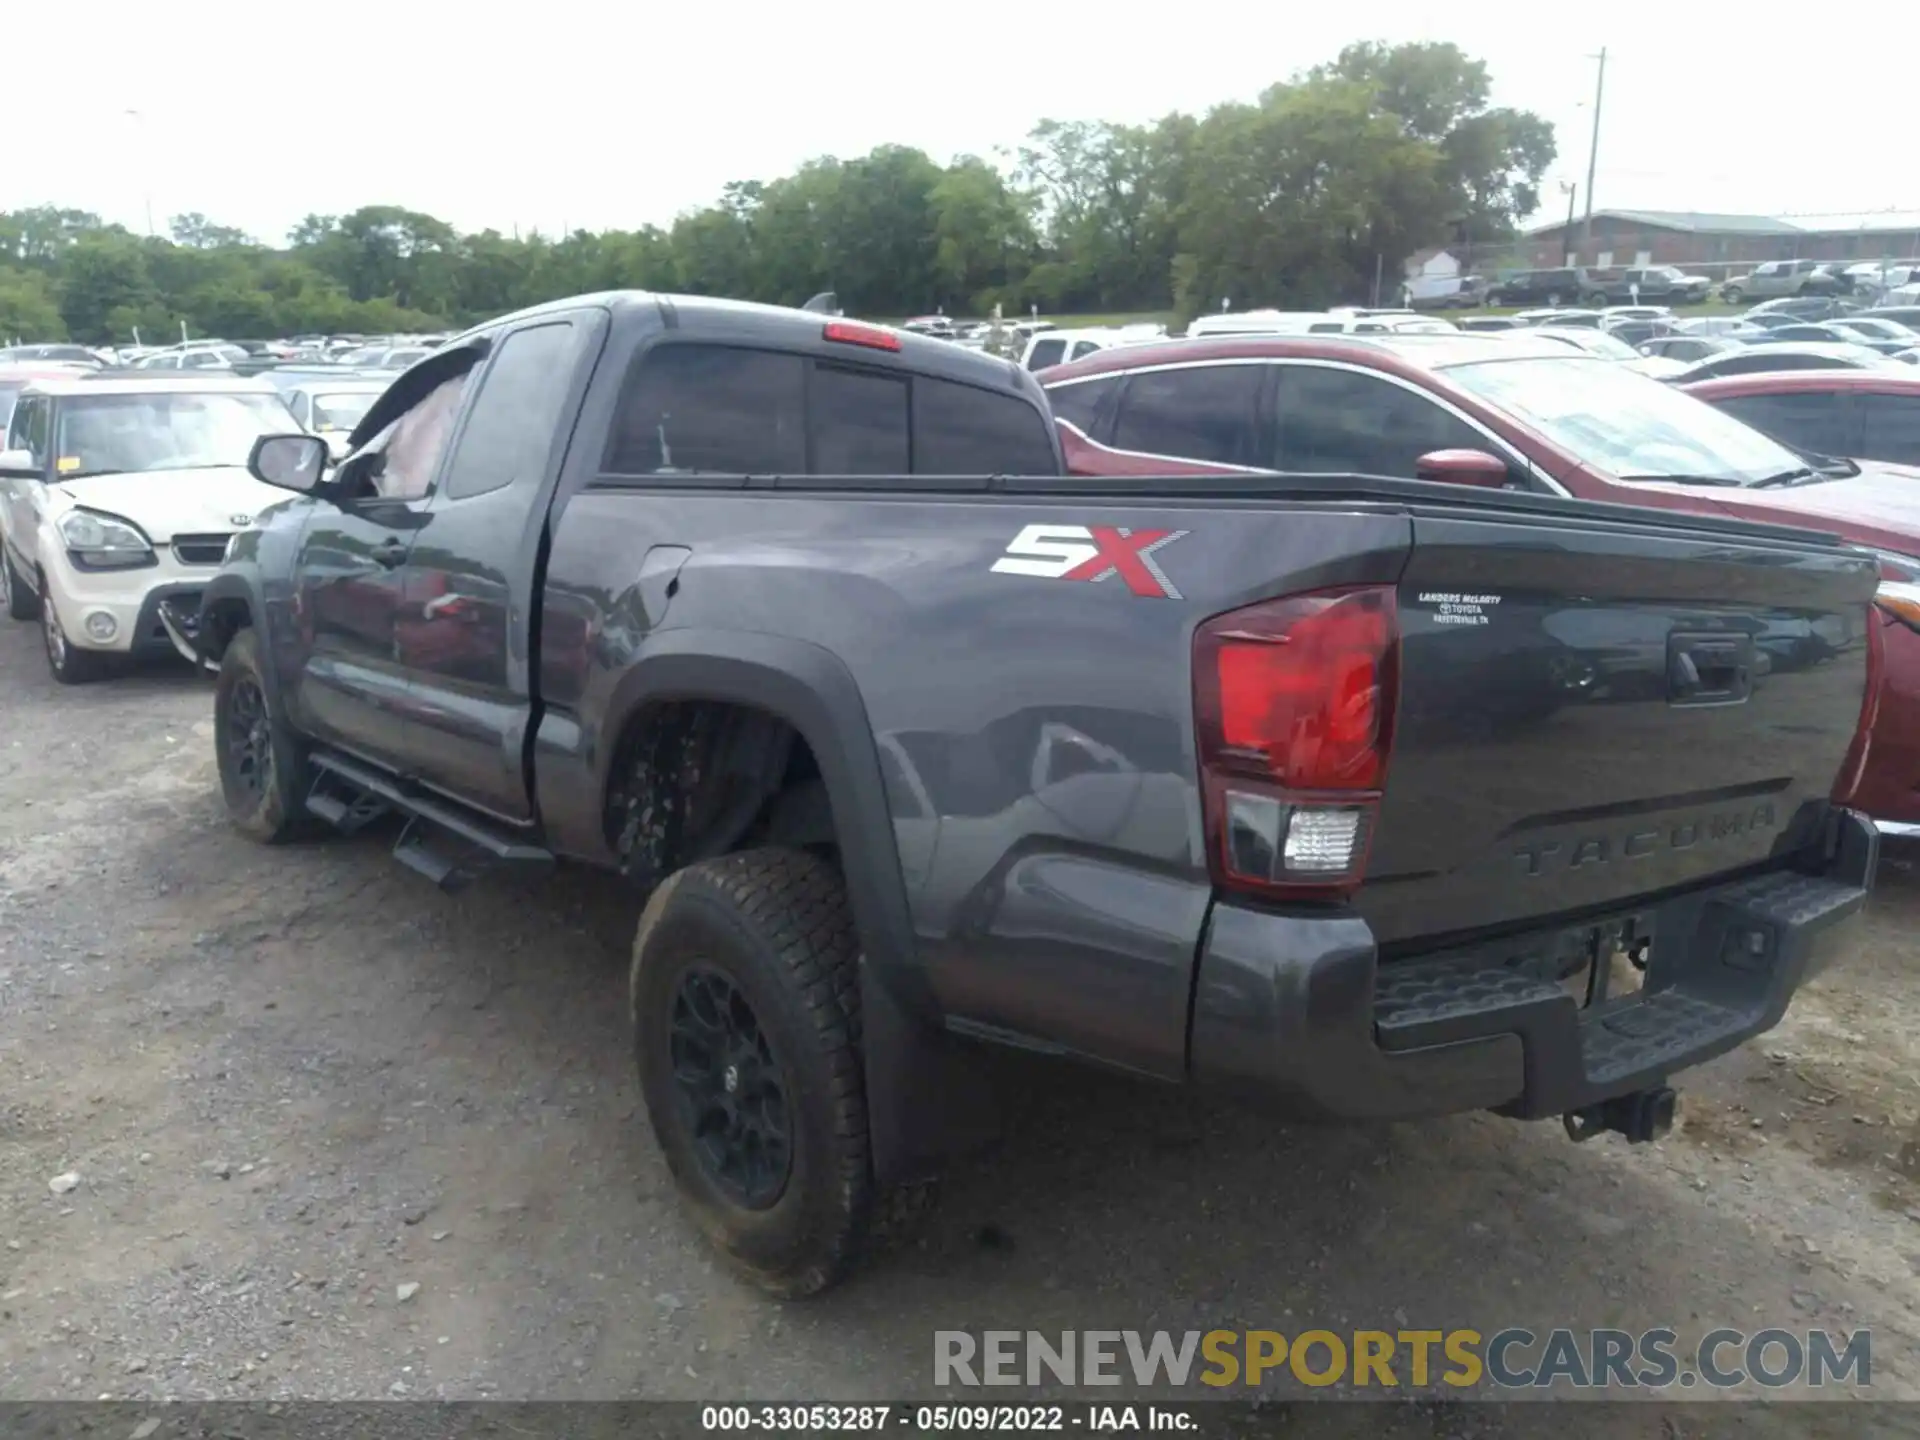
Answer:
(1779, 277)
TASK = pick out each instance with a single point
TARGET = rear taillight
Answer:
(1855, 765)
(1293, 707)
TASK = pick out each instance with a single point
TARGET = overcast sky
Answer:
(606, 115)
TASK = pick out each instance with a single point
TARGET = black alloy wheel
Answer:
(249, 738)
(732, 1096)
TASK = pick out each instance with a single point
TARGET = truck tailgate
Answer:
(1592, 712)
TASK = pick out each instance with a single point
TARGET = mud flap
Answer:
(930, 1097)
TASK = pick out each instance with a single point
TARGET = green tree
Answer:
(101, 273)
(983, 235)
(41, 235)
(383, 251)
(196, 232)
(713, 253)
(29, 306)
(1493, 158)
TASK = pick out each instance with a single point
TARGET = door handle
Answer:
(389, 553)
(1709, 669)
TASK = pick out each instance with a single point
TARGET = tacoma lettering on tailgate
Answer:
(1684, 835)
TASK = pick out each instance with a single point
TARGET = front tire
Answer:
(23, 601)
(263, 771)
(746, 1022)
(70, 666)
(1731, 294)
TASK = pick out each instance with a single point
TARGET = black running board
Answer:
(447, 845)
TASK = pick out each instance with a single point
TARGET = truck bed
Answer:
(1036, 735)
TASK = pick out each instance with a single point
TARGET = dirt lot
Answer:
(293, 1083)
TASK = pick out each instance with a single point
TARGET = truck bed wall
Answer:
(1034, 736)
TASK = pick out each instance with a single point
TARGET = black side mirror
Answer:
(291, 462)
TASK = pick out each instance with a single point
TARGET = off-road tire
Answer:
(23, 601)
(1731, 294)
(775, 924)
(273, 810)
(68, 663)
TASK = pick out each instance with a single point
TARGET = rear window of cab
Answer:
(696, 409)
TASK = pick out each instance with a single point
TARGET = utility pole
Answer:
(1593, 156)
(1572, 187)
(145, 160)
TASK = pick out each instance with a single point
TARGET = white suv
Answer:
(117, 499)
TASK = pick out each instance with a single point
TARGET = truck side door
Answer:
(464, 626)
(349, 689)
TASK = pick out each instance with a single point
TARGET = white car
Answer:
(1061, 347)
(213, 356)
(327, 406)
(1346, 320)
(1577, 337)
(117, 499)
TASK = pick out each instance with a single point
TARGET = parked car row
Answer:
(389, 353)
(1875, 280)
(1772, 339)
(1577, 285)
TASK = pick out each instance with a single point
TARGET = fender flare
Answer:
(811, 689)
(241, 585)
(927, 1098)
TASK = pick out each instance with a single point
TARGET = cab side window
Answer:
(419, 437)
(400, 462)
(509, 432)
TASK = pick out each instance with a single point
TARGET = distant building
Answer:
(1720, 243)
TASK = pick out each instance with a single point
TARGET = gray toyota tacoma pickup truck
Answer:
(1365, 798)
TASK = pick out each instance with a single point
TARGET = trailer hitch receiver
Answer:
(1641, 1116)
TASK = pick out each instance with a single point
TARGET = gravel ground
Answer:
(339, 1136)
